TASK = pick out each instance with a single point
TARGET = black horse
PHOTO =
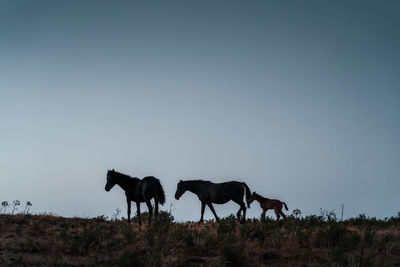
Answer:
(220, 193)
(137, 190)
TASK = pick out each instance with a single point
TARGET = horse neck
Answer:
(259, 198)
(194, 187)
(125, 181)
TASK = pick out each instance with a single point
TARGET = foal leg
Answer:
(203, 207)
(277, 214)
(148, 203)
(213, 211)
(263, 215)
(138, 212)
(283, 215)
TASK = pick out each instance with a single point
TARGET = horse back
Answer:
(272, 204)
(223, 192)
(149, 179)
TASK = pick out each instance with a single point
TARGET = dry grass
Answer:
(310, 241)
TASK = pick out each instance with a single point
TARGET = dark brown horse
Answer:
(218, 193)
(137, 190)
(266, 204)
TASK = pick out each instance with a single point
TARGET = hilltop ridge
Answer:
(309, 241)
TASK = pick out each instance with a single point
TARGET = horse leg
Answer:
(138, 212)
(277, 214)
(238, 213)
(263, 215)
(128, 201)
(203, 207)
(148, 203)
(242, 208)
(244, 213)
(213, 211)
(156, 208)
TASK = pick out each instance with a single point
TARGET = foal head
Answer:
(253, 197)
(180, 189)
(110, 180)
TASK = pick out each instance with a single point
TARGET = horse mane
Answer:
(121, 175)
(260, 196)
(196, 181)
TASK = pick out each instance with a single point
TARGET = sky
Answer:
(299, 99)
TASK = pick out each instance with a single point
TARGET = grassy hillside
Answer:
(309, 241)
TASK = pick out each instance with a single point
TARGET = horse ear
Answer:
(113, 170)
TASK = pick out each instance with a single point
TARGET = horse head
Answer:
(110, 180)
(180, 189)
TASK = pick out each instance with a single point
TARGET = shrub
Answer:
(254, 230)
(337, 235)
(303, 237)
(132, 258)
(369, 236)
(232, 254)
(227, 226)
(185, 235)
(313, 221)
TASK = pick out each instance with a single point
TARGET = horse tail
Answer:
(285, 205)
(248, 194)
(160, 192)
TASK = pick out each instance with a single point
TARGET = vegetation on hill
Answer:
(300, 241)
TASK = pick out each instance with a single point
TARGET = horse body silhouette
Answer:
(218, 193)
(266, 204)
(137, 190)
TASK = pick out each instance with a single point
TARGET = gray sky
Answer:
(299, 99)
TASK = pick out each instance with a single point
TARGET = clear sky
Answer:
(299, 99)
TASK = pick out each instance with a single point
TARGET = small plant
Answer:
(4, 206)
(115, 216)
(27, 206)
(342, 208)
(296, 213)
(101, 218)
(15, 204)
(328, 215)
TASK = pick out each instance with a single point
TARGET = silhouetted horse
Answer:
(266, 204)
(220, 193)
(137, 190)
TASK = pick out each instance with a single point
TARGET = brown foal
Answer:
(266, 204)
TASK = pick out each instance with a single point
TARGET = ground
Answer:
(309, 241)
